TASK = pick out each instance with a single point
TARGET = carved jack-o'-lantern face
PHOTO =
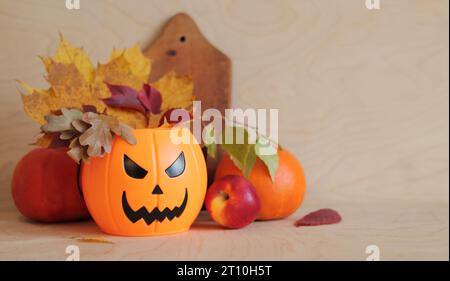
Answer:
(151, 188)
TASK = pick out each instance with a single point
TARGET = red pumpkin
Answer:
(45, 187)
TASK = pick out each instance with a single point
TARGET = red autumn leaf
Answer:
(319, 217)
(166, 116)
(150, 98)
(89, 108)
(124, 97)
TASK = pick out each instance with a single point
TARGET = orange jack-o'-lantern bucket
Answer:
(154, 187)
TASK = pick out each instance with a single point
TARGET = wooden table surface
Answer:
(364, 104)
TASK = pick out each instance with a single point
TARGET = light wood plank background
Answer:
(364, 104)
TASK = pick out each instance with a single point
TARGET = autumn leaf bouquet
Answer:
(85, 106)
(81, 113)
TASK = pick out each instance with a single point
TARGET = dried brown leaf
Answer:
(68, 135)
(78, 152)
(125, 132)
(99, 136)
(98, 240)
(80, 125)
(62, 122)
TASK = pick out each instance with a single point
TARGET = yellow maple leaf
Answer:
(132, 118)
(117, 71)
(75, 83)
(68, 89)
(45, 140)
(130, 68)
(68, 84)
(139, 65)
(39, 103)
(68, 54)
(176, 92)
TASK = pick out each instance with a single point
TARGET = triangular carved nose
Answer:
(157, 190)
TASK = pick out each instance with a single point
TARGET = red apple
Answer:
(45, 187)
(232, 201)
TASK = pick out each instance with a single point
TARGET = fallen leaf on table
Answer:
(98, 240)
(319, 217)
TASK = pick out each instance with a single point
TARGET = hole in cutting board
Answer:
(182, 39)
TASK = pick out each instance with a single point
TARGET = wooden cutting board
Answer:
(182, 47)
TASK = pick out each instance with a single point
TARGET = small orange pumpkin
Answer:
(280, 198)
(154, 187)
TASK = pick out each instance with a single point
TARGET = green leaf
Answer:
(211, 150)
(209, 140)
(243, 154)
(266, 151)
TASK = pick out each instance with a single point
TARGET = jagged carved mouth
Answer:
(155, 214)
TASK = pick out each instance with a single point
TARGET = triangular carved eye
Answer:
(132, 169)
(177, 167)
